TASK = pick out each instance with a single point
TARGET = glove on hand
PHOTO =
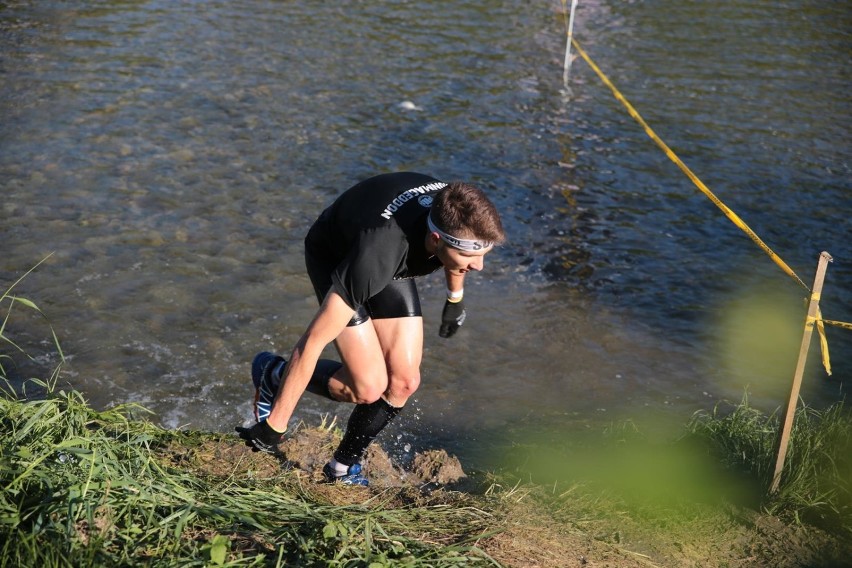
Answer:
(261, 438)
(452, 318)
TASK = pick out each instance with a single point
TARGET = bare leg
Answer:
(401, 344)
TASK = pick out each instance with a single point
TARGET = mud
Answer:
(526, 531)
(308, 450)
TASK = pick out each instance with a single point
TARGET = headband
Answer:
(469, 245)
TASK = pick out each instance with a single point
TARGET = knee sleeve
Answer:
(365, 423)
(322, 374)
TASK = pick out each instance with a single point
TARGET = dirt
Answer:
(586, 531)
(308, 450)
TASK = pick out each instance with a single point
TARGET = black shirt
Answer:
(375, 232)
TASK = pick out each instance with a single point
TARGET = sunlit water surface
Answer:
(171, 155)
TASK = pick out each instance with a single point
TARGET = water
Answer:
(171, 155)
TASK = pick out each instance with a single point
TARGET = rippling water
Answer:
(172, 154)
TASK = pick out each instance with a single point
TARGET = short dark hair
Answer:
(460, 209)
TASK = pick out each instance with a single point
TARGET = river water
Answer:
(171, 155)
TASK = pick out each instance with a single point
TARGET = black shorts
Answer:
(399, 299)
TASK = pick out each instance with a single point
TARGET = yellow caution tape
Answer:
(727, 211)
(823, 342)
(674, 158)
(842, 324)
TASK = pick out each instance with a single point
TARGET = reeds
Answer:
(8, 302)
(80, 487)
(84, 488)
(87, 488)
(816, 483)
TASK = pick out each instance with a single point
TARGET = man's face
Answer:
(461, 261)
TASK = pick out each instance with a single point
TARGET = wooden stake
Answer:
(813, 311)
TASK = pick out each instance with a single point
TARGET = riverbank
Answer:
(88, 488)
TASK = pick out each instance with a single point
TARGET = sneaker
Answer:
(265, 382)
(353, 476)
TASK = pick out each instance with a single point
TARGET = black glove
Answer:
(452, 318)
(261, 438)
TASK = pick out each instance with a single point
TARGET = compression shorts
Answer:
(399, 299)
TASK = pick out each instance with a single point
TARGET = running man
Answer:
(362, 255)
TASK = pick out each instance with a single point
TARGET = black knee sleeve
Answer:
(365, 423)
(322, 374)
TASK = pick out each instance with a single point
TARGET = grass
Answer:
(87, 488)
(722, 457)
(11, 301)
(81, 487)
(816, 482)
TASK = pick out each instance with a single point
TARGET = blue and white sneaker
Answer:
(265, 381)
(353, 476)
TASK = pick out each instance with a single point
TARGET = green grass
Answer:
(80, 487)
(9, 302)
(87, 488)
(816, 482)
(722, 457)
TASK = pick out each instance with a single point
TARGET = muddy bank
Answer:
(307, 450)
(530, 526)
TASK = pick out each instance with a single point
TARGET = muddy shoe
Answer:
(352, 477)
(265, 382)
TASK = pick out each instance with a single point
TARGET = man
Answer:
(362, 255)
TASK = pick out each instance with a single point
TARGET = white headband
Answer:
(469, 245)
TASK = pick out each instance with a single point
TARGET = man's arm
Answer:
(330, 321)
(453, 315)
(455, 281)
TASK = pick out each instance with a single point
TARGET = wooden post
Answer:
(813, 307)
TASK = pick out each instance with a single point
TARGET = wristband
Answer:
(455, 296)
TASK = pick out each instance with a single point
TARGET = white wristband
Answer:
(455, 296)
